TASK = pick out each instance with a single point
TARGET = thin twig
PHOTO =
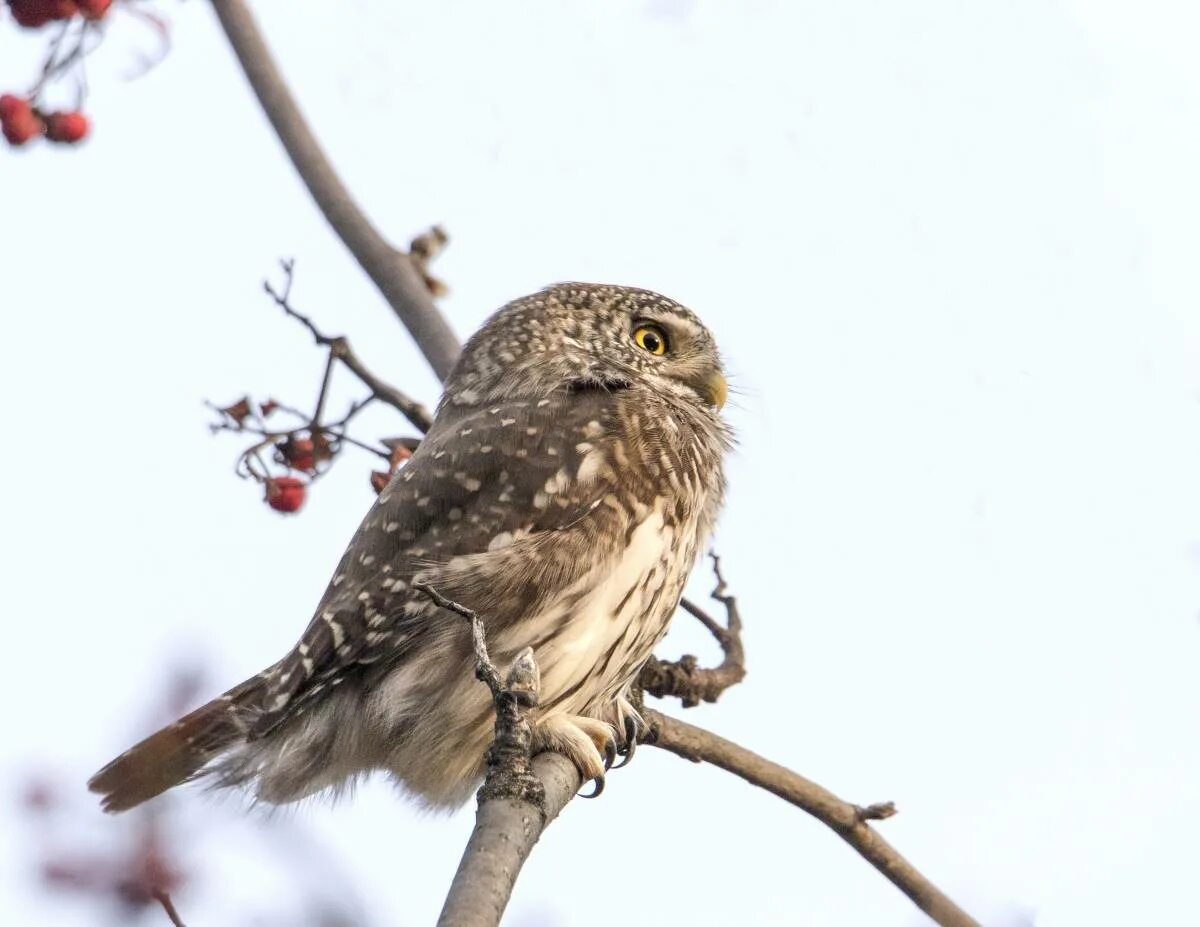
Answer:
(169, 906)
(391, 270)
(324, 393)
(355, 407)
(485, 670)
(684, 678)
(847, 820)
(514, 696)
(339, 348)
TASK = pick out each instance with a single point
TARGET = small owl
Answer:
(572, 473)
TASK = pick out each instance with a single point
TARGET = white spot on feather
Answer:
(591, 465)
(557, 483)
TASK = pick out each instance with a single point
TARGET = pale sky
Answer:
(949, 252)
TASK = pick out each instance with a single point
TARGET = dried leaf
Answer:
(239, 411)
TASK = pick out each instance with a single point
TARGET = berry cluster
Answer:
(33, 14)
(22, 119)
(305, 451)
(21, 122)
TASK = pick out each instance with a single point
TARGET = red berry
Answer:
(10, 105)
(93, 9)
(298, 453)
(68, 128)
(33, 14)
(18, 122)
(285, 493)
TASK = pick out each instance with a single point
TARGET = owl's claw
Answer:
(632, 731)
(588, 743)
(597, 789)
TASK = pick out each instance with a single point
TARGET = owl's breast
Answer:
(592, 638)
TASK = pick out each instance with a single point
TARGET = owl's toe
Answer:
(590, 744)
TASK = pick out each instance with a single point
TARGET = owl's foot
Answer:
(590, 744)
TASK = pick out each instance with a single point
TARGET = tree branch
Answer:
(846, 820)
(504, 835)
(339, 348)
(684, 678)
(519, 796)
(392, 271)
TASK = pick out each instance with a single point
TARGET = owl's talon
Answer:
(632, 732)
(588, 743)
(599, 787)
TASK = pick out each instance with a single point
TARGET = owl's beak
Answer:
(716, 389)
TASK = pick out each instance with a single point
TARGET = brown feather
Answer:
(176, 753)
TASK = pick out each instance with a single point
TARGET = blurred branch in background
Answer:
(142, 866)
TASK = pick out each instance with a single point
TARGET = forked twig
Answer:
(684, 678)
(340, 350)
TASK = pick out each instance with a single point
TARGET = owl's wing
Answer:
(479, 513)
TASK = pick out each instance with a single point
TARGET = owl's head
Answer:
(573, 335)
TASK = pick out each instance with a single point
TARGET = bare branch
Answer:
(485, 670)
(519, 797)
(684, 678)
(392, 271)
(504, 835)
(339, 348)
(847, 820)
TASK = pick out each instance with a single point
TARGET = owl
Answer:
(571, 475)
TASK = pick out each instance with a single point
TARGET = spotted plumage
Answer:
(571, 475)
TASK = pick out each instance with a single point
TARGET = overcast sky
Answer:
(949, 250)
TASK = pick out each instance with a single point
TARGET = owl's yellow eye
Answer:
(651, 338)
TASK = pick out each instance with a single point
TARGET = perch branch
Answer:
(392, 271)
(846, 820)
(520, 795)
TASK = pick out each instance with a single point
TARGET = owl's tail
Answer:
(176, 753)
